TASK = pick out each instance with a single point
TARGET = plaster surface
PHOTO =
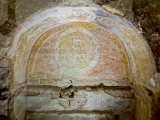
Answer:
(118, 32)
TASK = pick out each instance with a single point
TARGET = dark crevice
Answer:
(71, 95)
(60, 95)
(3, 117)
(150, 93)
(116, 116)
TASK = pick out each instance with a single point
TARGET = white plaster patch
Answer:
(153, 82)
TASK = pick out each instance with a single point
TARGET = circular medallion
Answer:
(77, 52)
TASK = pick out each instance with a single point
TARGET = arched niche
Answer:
(80, 46)
(134, 51)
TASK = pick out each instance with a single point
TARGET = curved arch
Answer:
(88, 47)
(133, 44)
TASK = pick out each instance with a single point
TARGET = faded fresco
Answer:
(77, 51)
(85, 45)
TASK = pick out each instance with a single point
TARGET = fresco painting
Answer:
(78, 14)
(111, 37)
(106, 21)
(79, 60)
(79, 51)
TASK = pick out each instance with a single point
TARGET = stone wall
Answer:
(102, 96)
(147, 18)
(86, 102)
(50, 48)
